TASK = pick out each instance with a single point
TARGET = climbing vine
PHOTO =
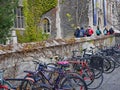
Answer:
(6, 19)
(33, 10)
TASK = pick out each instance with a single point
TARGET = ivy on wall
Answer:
(6, 19)
(33, 10)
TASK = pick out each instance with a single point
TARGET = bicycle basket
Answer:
(96, 62)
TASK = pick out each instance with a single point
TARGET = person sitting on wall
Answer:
(89, 31)
(98, 32)
(82, 32)
(105, 31)
(111, 31)
(77, 31)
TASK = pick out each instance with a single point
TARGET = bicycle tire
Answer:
(98, 73)
(87, 74)
(26, 85)
(7, 85)
(30, 84)
(106, 65)
(73, 83)
(112, 68)
(115, 60)
(97, 83)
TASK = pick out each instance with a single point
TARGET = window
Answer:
(46, 25)
(19, 20)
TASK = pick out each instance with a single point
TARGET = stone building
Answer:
(61, 21)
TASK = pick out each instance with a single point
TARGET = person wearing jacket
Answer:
(111, 31)
(98, 32)
(77, 31)
(82, 32)
(89, 31)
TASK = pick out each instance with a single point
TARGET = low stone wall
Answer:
(17, 58)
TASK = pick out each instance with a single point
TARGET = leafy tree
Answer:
(6, 18)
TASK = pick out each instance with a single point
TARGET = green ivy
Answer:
(33, 10)
(6, 19)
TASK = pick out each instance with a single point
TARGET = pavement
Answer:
(111, 81)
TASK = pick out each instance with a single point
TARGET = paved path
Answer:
(111, 81)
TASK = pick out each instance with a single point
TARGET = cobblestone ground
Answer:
(111, 81)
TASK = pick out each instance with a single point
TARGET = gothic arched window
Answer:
(46, 25)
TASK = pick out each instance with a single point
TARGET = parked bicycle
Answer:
(44, 78)
(5, 85)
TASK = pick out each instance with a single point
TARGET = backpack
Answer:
(81, 34)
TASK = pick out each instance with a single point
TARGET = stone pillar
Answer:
(90, 14)
(58, 21)
(14, 37)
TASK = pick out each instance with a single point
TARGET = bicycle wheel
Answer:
(97, 73)
(88, 76)
(35, 82)
(112, 63)
(117, 58)
(106, 65)
(73, 83)
(6, 86)
(86, 73)
(97, 83)
(26, 85)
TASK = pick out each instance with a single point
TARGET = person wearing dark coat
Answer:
(111, 31)
(77, 31)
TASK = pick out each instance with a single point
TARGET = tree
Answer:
(6, 18)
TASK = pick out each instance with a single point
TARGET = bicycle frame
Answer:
(2, 81)
(42, 71)
(4, 87)
(1, 76)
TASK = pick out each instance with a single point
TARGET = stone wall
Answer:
(16, 58)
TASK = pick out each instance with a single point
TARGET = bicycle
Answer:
(5, 85)
(63, 81)
(90, 66)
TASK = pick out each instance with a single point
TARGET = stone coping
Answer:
(12, 48)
